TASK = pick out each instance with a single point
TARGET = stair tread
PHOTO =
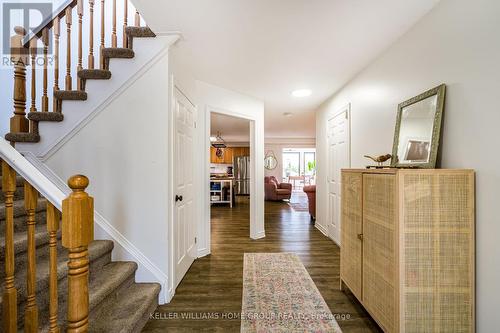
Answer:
(96, 250)
(22, 137)
(135, 304)
(117, 52)
(101, 285)
(94, 74)
(46, 116)
(138, 32)
(109, 279)
(19, 209)
(70, 95)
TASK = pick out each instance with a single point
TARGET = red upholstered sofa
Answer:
(276, 191)
(311, 197)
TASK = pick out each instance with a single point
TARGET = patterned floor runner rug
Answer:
(280, 296)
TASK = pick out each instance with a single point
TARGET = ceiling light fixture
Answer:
(301, 93)
(287, 114)
(218, 142)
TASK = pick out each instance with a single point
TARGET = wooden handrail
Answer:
(77, 233)
(49, 21)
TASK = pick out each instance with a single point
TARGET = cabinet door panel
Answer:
(351, 249)
(228, 156)
(379, 248)
(438, 252)
(213, 158)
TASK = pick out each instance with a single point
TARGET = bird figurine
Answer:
(379, 159)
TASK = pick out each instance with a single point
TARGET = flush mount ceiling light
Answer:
(301, 93)
(287, 114)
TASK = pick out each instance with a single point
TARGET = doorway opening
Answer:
(299, 170)
(230, 175)
(299, 167)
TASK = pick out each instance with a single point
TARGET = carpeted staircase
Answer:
(108, 53)
(117, 302)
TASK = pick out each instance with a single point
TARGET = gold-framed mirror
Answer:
(418, 130)
(270, 161)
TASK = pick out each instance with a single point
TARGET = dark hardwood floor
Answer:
(210, 293)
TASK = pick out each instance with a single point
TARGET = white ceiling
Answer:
(267, 48)
(232, 129)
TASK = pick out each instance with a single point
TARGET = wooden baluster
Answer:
(68, 51)
(102, 34)
(57, 33)
(77, 233)
(31, 310)
(19, 123)
(33, 45)
(137, 19)
(33, 51)
(79, 67)
(53, 218)
(45, 98)
(125, 22)
(114, 41)
(91, 35)
(9, 297)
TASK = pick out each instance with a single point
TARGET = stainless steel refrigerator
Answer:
(241, 175)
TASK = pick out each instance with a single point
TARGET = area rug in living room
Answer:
(299, 206)
(280, 296)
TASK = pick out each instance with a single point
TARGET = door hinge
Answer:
(195, 240)
(195, 124)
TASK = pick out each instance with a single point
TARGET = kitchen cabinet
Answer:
(229, 154)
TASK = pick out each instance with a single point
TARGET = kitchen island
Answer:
(218, 193)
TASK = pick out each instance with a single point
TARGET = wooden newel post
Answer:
(77, 233)
(19, 55)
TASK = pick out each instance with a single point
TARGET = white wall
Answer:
(457, 44)
(124, 152)
(212, 98)
(277, 147)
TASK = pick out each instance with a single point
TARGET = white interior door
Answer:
(338, 158)
(184, 219)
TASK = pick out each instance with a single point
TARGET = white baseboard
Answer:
(321, 228)
(258, 235)
(203, 252)
(169, 295)
(147, 271)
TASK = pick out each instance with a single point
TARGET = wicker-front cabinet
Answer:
(408, 247)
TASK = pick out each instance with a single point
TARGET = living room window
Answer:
(299, 166)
